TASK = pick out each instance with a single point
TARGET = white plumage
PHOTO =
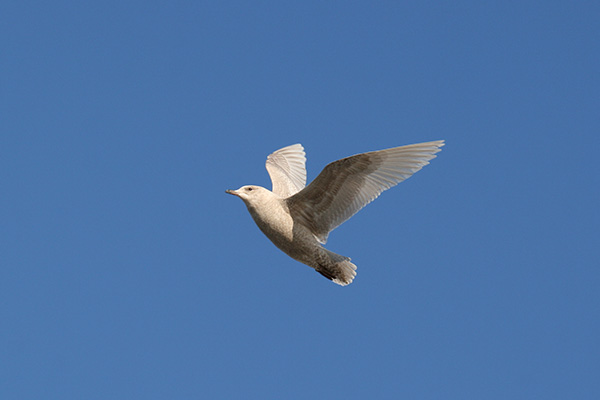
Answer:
(298, 219)
(287, 171)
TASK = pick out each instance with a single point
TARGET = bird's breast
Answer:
(274, 220)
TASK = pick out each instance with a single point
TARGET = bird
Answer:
(298, 218)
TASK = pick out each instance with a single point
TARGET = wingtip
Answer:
(437, 143)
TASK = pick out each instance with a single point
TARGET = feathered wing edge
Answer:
(347, 185)
(286, 168)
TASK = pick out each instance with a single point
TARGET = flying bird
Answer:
(298, 218)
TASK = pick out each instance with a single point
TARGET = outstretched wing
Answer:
(347, 185)
(287, 171)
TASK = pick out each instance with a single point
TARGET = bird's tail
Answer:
(337, 268)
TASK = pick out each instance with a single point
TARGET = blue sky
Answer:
(127, 272)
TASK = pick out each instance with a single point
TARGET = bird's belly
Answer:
(293, 239)
(281, 238)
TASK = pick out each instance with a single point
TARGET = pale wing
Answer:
(347, 185)
(287, 170)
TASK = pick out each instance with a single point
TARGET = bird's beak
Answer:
(233, 192)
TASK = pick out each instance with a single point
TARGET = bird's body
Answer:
(298, 219)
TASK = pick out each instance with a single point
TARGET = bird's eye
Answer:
(249, 189)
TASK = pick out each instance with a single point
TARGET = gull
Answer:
(298, 218)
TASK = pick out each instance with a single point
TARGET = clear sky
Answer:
(128, 273)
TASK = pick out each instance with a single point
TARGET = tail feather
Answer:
(337, 268)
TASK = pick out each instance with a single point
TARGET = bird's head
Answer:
(251, 194)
